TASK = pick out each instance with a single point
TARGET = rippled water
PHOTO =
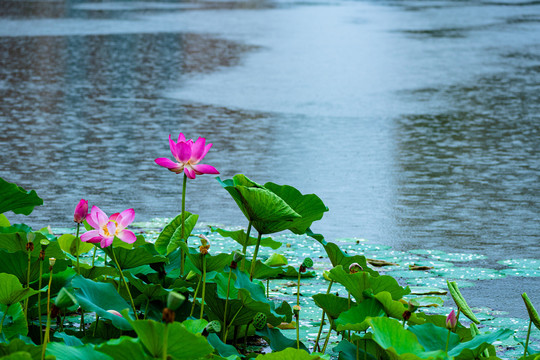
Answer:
(417, 122)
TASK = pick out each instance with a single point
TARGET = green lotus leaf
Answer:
(17, 264)
(150, 290)
(223, 349)
(472, 349)
(433, 337)
(332, 305)
(348, 351)
(310, 207)
(124, 348)
(355, 318)
(263, 271)
(427, 301)
(4, 222)
(171, 236)
(93, 272)
(181, 344)
(358, 282)
(100, 297)
(131, 258)
(338, 257)
(420, 318)
(460, 302)
(398, 342)
(533, 314)
(291, 271)
(73, 245)
(267, 212)
(240, 237)
(391, 307)
(20, 355)
(70, 340)
(18, 346)
(276, 260)
(15, 198)
(12, 291)
(86, 352)
(14, 322)
(213, 262)
(14, 239)
(279, 342)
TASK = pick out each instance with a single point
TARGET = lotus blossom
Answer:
(81, 211)
(451, 321)
(114, 312)
(188, 154)
(106, 228)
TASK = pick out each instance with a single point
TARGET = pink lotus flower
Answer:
(451, 321)
(106, 228)
(81, 210)
(114, 312)
(188, 154)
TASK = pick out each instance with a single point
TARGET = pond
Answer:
(417, 122)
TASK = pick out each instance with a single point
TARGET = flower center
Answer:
(106, 229)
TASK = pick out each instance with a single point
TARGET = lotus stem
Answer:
(39, 300)
(526, 342)
(94, 256)
(3, 318)
(182, 254)
(146, 308)
(447, 341)
(349, 308)
(204, 284)
(48, 327)
(229, 326)
(357, 350)
(81, 326)
(327, 336)
(96, 326)
(244, 248)
(267, 288)
(298, 290)
(298, 330)
(165, 340)
(226, 304)
(322, 320)
(255, 257)
(195, 297)
(27, 283)
(245, 336)
(78, 241)
(235, 336)
(125, 283)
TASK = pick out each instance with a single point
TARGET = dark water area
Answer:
(416, 122)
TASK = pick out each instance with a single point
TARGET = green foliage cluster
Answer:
(123, 309)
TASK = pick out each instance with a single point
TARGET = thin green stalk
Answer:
(125, 283)
(235, 337)
(526, 342)
(349, 308)
(204, 284)
(165, 340)
(39, 301)
(255, 257)
(96, 326)
(244, 248)
(322, 320)
(83, 329)
(447, 341)
(229, 326)
(267, 288)
(48, 327)
(195, 297)
(327, 336)
(245, 337)
(146, 308)
(182, 255)
(226, 304)
(357, 351)
(78, 241)
(298, 330)
(27, 284)
(3, 318)
(94, 256)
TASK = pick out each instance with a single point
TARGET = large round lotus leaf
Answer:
(426, 290)
(474, 348)
(399, 257)
(459, 257)
(533, 264)
(171, 235)
(14, 322)
(11, 291)
(433, 337)
(73, 245)
(281, 345)
(425, 301)
(15, 198)
(505, 322)
(355, 318)
(469, 273)
(427, 252)
(240, 237)
(391, 336)
(521, 272)
(124, 348)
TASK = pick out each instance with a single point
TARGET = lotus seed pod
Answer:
(203, 249)
(307, 263)
(52, 261)
(44, 243)
(259, 321)
(213, 326)
(30, 237)
(175, 300)
(296, 309)
(355, 267)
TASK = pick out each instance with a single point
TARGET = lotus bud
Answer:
(259, 321)
(44, 243)
(30, 241)
(81, 211)
(64, 299)
(238, 256)
(326, 275)
(307, 263)
(114, 312)
(175, 300)
(52, 261)
(451, 321)
(355, 267)
(296, 310)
